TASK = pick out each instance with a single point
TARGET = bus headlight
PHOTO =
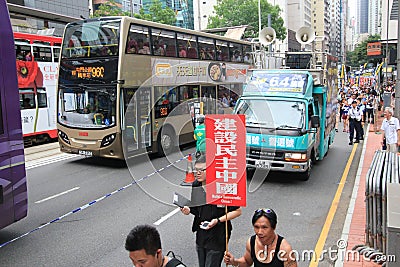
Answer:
(64, 137)
(108, 140)
(299, 157)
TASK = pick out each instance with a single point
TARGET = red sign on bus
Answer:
(226, 160)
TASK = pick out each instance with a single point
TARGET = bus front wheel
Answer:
(165, 142)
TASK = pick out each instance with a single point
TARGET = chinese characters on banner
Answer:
(226, 160)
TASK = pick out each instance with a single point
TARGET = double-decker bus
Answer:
(37, 69)
(162, 75)
(13, 191)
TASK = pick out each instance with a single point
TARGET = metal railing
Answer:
(383, 170)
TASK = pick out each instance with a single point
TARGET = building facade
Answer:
(73, 8)
(321, 24)
(335, 28)
(362, 16)
(374, 17)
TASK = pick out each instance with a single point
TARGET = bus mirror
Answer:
(314, 121)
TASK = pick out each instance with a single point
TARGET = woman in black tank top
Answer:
(265, 248)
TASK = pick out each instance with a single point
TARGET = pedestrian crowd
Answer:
(212, 225)
(360, 105)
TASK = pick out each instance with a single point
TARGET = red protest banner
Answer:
(226, 159)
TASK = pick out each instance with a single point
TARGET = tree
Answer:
(110, 8)
(245, 12)
(359, 55)
(157, 13)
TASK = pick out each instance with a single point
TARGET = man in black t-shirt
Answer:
(210, 240)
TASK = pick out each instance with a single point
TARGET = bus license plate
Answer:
(263, 164)
(85, 153)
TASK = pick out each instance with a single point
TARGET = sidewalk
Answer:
(356, 229)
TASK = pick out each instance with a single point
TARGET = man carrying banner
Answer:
(209, 220)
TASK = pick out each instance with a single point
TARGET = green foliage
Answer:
(110, 8)
(245, 12)
(359, 55)
(158, 14)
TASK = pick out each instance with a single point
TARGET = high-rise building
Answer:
(132, 6)
(362, 16)
(335, 28)
(299, 15)
(73, 8)
(202, 10)
(321, 24)
(374, 16)
(183, 9)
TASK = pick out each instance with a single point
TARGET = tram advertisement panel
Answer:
(88, 71)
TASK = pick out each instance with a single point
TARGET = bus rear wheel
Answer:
(165, 142)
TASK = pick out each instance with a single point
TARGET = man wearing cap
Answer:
(355, 118)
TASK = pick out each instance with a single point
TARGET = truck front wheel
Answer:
(304, 176)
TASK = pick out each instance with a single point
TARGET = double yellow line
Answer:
(332, 211)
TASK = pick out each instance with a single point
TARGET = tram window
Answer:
(27, 100)
(222, 50)
(140, 35)
(207, 50)
(21, 51)
(56, 53)
(42, 97)
(42, 54)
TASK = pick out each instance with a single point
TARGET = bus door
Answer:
(136, 124)
(208, 98)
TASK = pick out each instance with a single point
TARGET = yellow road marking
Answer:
(332, 211)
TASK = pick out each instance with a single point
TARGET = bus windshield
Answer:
(272, 114)
(92, 38)
(87, 108)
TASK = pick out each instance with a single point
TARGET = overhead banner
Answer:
(226, 159)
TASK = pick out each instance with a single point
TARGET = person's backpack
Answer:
(174, 262)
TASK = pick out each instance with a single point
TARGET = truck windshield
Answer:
(272, 114)
(87, 108)
(91, 39)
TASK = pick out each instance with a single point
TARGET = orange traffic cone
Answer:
(189, 179)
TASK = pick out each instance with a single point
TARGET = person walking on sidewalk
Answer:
(355, 118)
(391, 127)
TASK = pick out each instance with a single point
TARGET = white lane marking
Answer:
(167, 216)
(57, 195)
(46, 161)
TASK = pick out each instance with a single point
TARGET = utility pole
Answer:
(397, 91)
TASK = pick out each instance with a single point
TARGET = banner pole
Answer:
(226, 231)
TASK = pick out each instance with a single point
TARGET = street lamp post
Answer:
(259, 16)
(397, 91)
